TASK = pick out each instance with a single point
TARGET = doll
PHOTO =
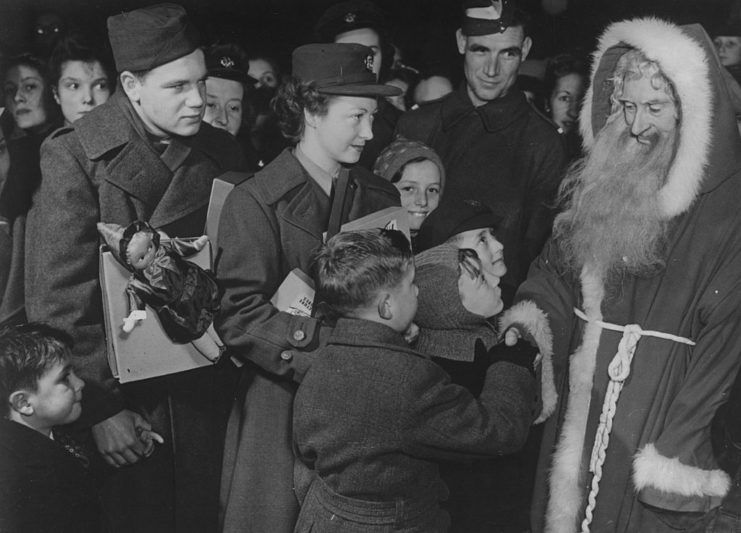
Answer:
(185, 296)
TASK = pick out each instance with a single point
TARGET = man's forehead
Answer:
(512, 36)
(191, 66)
(645, 89)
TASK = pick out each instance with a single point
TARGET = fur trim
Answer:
(535, 322)
(651, 469)
(684, 62)
(566, 497)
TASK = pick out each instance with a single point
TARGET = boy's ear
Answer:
(19, 403)
(384, 306)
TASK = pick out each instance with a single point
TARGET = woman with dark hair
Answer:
(565, 82)
(80, 76)
(271, 224)
(28, 97)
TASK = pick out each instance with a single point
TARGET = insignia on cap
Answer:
(226, 62)
(369, 62)
(492, 12)
(350, 18)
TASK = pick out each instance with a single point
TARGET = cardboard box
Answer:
(390, 218)
(147, 351)
(295, 295)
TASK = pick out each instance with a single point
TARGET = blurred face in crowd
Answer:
(729, 50)
(480, 293)
(81, 87)
(4, 159)
(367, 37)
(24, 96)
(398, 101)
(224, 104)
(263, 72)
(491, 62)
(565, 100)
(419, 189)
(170, 99)
(340, 135)
(432, 88)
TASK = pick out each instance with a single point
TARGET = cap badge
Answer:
(369, 62)
(492, 12)
(226, 62)
(350, 18)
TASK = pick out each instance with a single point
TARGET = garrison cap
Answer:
(146, 38)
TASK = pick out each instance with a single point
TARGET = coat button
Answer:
(299, 335)
(286, 356)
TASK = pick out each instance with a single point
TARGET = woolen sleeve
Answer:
(249, 268)
(444, 421)
(62, 271)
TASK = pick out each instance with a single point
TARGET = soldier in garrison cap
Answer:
(498, 149)
(362, 22)
(143, 155)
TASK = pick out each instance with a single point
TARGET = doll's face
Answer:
(141, 249)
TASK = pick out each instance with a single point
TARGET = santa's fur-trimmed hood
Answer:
(685, 55)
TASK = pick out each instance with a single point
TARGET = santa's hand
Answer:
(512, 336)
(130, 321)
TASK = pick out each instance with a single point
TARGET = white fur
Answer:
(651, 469)
(566, 497)
(684, 62)
(535, 322)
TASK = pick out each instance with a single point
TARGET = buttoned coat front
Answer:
(103, 168)
(271, 224)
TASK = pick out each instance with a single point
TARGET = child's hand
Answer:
(148, 438)
(522, 354)
(411, 334)
(512, 336)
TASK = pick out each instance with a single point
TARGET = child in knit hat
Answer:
(457, 299)
(417, 171)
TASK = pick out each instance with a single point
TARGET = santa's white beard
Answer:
(613, 222)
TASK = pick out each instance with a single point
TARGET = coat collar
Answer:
(495, 115)
(368, 334)
(138, 169)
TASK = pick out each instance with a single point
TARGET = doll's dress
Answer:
(185, 296)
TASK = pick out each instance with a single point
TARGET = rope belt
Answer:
(618, 370)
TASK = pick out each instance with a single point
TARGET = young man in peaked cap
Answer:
(144, 155)
(494, 145)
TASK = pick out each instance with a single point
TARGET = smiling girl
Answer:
(416, 170)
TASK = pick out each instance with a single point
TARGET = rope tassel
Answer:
(618, 371)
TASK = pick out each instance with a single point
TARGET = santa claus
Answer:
(637, 295)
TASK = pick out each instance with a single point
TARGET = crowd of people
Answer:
(542, 336)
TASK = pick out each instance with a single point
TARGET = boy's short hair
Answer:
(353, 266)
(27, 351)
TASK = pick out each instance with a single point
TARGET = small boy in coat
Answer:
(372, 416)
(45, 483)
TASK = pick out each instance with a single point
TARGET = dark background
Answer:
(423, 28)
